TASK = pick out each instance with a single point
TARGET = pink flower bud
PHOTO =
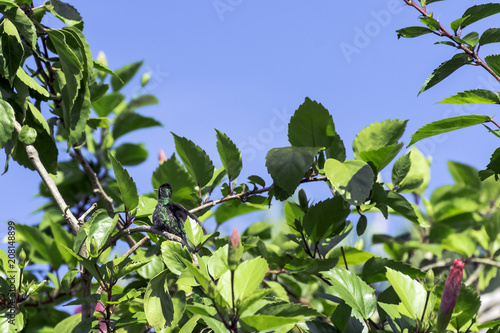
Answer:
(452, 287)
(235, 237)
(161, 156)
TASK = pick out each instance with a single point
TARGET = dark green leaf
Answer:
(131, 153)
(30, 82)
(107, 103)
(12, 50)
(410, 32)
(354, 291)
(457, 23)
(288, 166)
(129, 121)
(471, 39)
(43, 244)
(95, 123)
(22, 22)
(158, 305)
(399, 203)
(230, 155)
(362, 224)
(325, 217)
(126, 184)
(374, 270)
(444, 70)
(418, 177)
(447, 125)
(477, 96)
(352, 179)
(103, 68)
(491, 35)
(311, 126)
(336, 149)
(431, 22)
(476, 13)
(493, 168)
(493, 61)
(195, 159)
(233, 208)
(65, 12)
(125, 74)
(6, 122)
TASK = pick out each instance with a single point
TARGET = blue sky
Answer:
(243, 67)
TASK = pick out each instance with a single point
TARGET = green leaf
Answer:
(101, 226)
(22, 22)
(126, 184)
(311, 126)
(61, 236)
(233, 208)
(65, 12)
(431, 22)
(456, 24)
(125, 74)
(171, 253)
(247, 277)
(493, 168)
(95, 123)
(362, 224)
(354, 291)
(378, 135)
(444, 70)
(12, 50)
(477, 96)
(260, 323)
(411, 32)
(230, 155)
(374, 270)
(310, 265)
(491, 35)
(143, 100)
(418, 177)
(100, 66)
(336, 149)
(27, 135)
(325, 217)
(352, 179)
(353, 256)
(30, 82)
(158, 305)
(464, 174)
(131, 153)
(447, 125)
(493, 61)
(449, 201)
(288, 166)
(107, 103)
(193, 231)
(172, 172)
(476, 13)
(129, 121)
(69, 324)
(411, 293)
(471, 39)
(467, 306)
(217, 263)
(381, 157)
(6, 122)
(399, 203)
(42, 243)
(400, 169)
(195, 159)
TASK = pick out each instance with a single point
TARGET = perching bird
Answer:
(170, 216)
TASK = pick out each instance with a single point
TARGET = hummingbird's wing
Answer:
(181, 213)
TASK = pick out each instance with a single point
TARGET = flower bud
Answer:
(22, 259)
(161, 156)
(450, 294)
(145, 79)
(429, 280)
(235, 250)
(303, 200)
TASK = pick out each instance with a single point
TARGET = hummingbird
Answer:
(170, 216)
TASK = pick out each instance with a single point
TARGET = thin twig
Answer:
(136, 246)
(84, 215)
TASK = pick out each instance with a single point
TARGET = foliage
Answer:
(55, 99)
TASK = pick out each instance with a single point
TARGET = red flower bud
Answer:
(452, 287)
(235, 237)
(161, 156)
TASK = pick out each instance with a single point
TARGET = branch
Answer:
(465, 48)
(98, 189)
(243, 195)
(49, 182)
(141, 228)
